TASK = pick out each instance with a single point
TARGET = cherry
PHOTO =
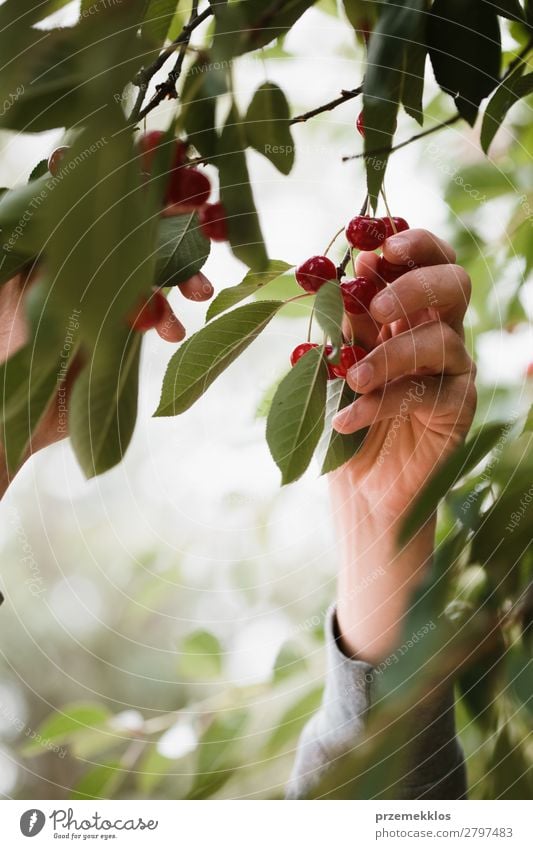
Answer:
(147, 144)
(314, 272)
(357, 294)
(188, 187)
(350, 355)
(213, 222)
(148, 312)
(389, 272)
(366, 233)
(400, 224)
(300, 350)
(54, 160)
(360, 124)
(304, 347)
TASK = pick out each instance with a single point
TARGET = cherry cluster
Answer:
(188, 190)
(363, 233)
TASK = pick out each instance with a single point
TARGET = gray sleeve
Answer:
(434, 767)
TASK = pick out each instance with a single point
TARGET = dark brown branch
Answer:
(383, 150)
(167, 88)
(327, 107)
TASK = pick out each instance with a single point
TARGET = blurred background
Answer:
(162, 630)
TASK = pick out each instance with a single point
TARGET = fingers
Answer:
(417, 247)
(169, 327)
(445, 288)
(432, 348)
(364, 328)
(197, 288)
(451, 399)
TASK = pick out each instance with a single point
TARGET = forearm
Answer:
(377, 578)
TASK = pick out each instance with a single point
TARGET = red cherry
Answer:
(360, 124)
(300, 350)
(357, 294)
(314, 272)
(147, 144)
(400, 224)
(529, 370)
(54, 160)
(350, 355)
(389, 272)
(366, 233)
(148, 312)
(213, 222)
(188, 187)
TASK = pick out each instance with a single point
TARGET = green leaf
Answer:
(103, 406)
(397, 29)
(203, 84)
(182, 249)
(460, 463)
(360, 13)
(22, 216)
(252, 283)
(157, 20)
(296, 418)
(329, 311)
(39, 171)
(267, 126)
(99, 782)
(61, 726)
(335, 448)
(289, 661)
(510, 9)
(413, 81)
(510, 768)
(214, 750)
(11, 263)
(509, 92)
(201, 656)
(465, 50)
(245, 234)
(293, 720)
(205, 355)
(250, 24)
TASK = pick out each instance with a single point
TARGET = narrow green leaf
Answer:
(252, 283)
(267, 126)
(206, 354)
(72, 719)
(329, 311)
(182, 249)
(462, 461)
(103, 407)
(214, 750)
(335, 448)
(157, 21)
(204, 83)
(510, 9)
(99, 782)
(293, 720)
(250, 24)
(296, 418)
(413, 81)
(509, 92)
(245, 234)
(465, 49)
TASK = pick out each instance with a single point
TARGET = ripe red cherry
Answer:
(389, 272)
(366, 233)
(213, 222)
(350, 355)
(54, 160)
(300, 350)
(358, 293)
(147, 144)
(360, 124)
(314, 272)
(400, 224)
(148, 312)
(188, 187)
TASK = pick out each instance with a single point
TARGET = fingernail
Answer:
(340, 420)
(384, 303)
(361, 375)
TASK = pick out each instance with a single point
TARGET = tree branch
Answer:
(327, 107)
(416, 137)
(167, 88)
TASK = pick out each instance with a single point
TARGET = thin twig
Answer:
(168, 88)
(327, 107)
(416, 137)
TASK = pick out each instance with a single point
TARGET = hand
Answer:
(418, 399)
(14, 335)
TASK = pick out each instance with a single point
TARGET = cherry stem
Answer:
(334, 239)
(310, 325)
(391, 219)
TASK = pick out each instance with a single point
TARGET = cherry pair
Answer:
(350, 354)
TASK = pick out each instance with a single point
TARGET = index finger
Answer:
(417, 247)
